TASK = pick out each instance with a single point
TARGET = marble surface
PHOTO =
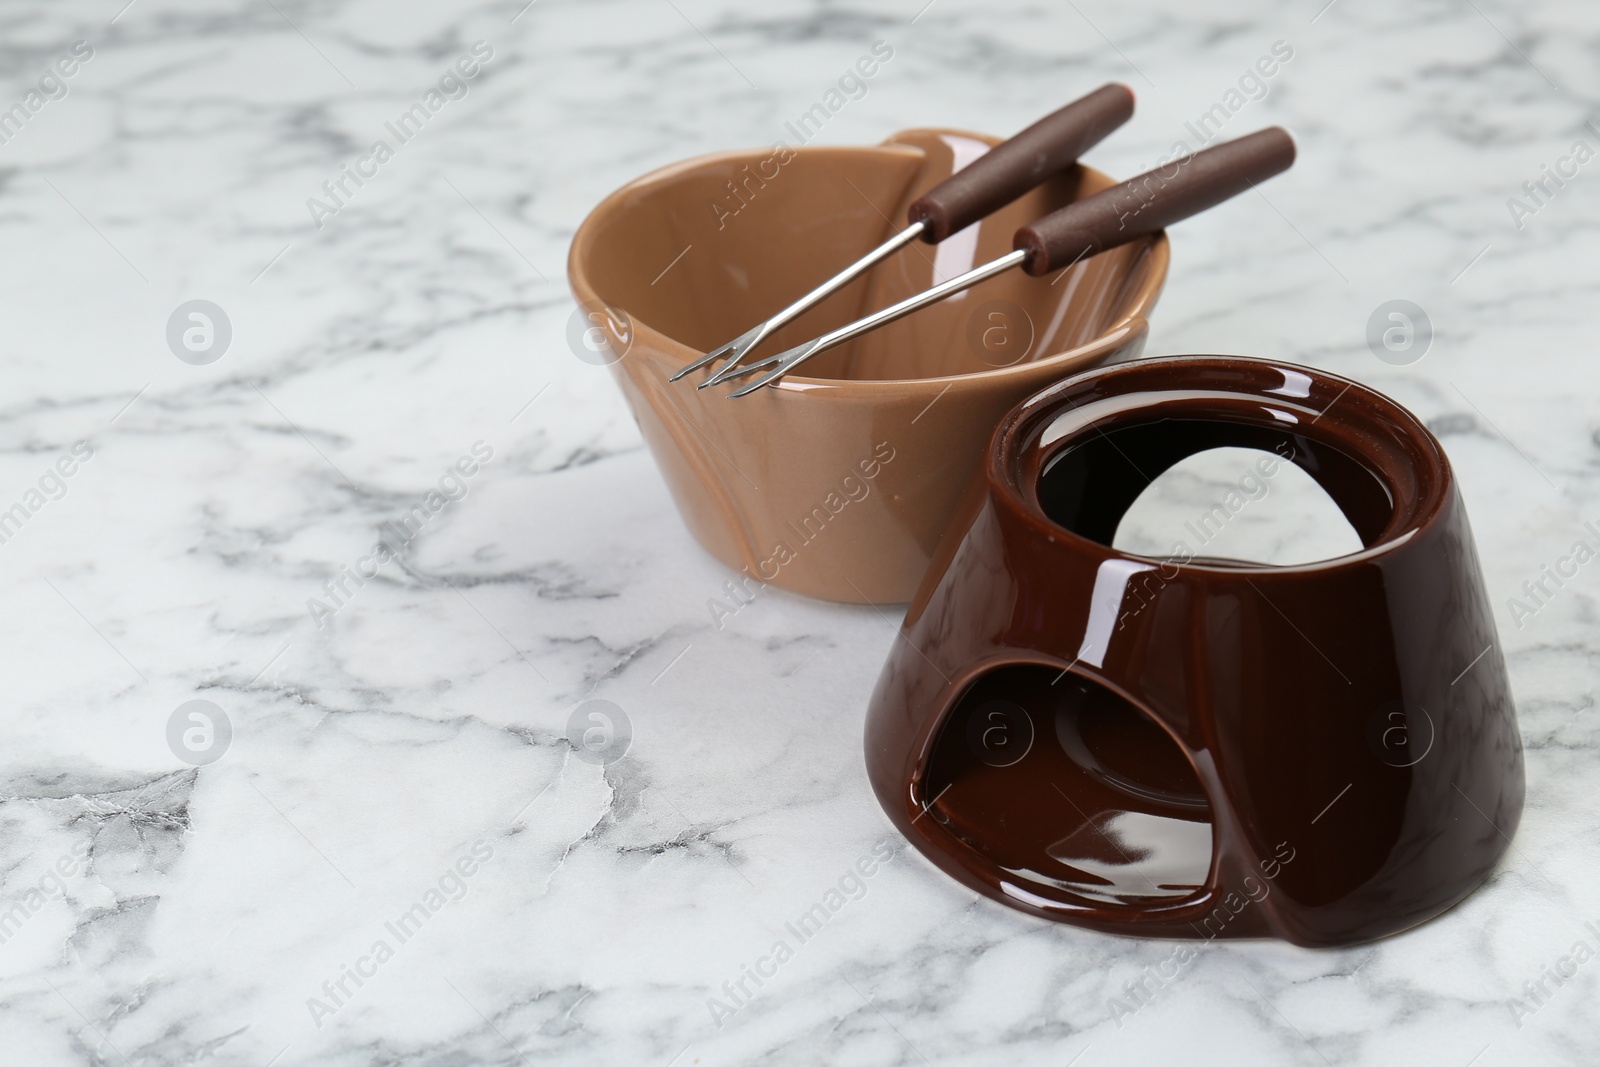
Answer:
(407, 746)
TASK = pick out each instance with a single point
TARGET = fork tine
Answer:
(735, 351)
(749, 368)
(689, 368)
(731, 370)
(741, 345)
(730, 365)
(772, 375)
(780, 363)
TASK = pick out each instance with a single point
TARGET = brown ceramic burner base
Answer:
(1324, 753)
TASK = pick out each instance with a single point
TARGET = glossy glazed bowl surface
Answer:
(839, 481)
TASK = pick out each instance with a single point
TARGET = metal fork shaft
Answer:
(787, 361)
(794, 310)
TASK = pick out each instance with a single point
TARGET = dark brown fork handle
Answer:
(1154, 200)
(1012, 167)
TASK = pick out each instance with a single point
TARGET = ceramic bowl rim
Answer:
(1133, 317)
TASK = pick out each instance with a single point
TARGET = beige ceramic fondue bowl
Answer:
(838, 482)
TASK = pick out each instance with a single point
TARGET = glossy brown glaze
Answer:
(1176, 747)
(839, 483)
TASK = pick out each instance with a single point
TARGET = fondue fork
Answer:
(1112, 217)
(987, 184)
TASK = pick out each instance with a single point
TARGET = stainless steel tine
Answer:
(987, 184)
(784, 362)
(742, 344)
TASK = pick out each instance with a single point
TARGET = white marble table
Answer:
(407, 746)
